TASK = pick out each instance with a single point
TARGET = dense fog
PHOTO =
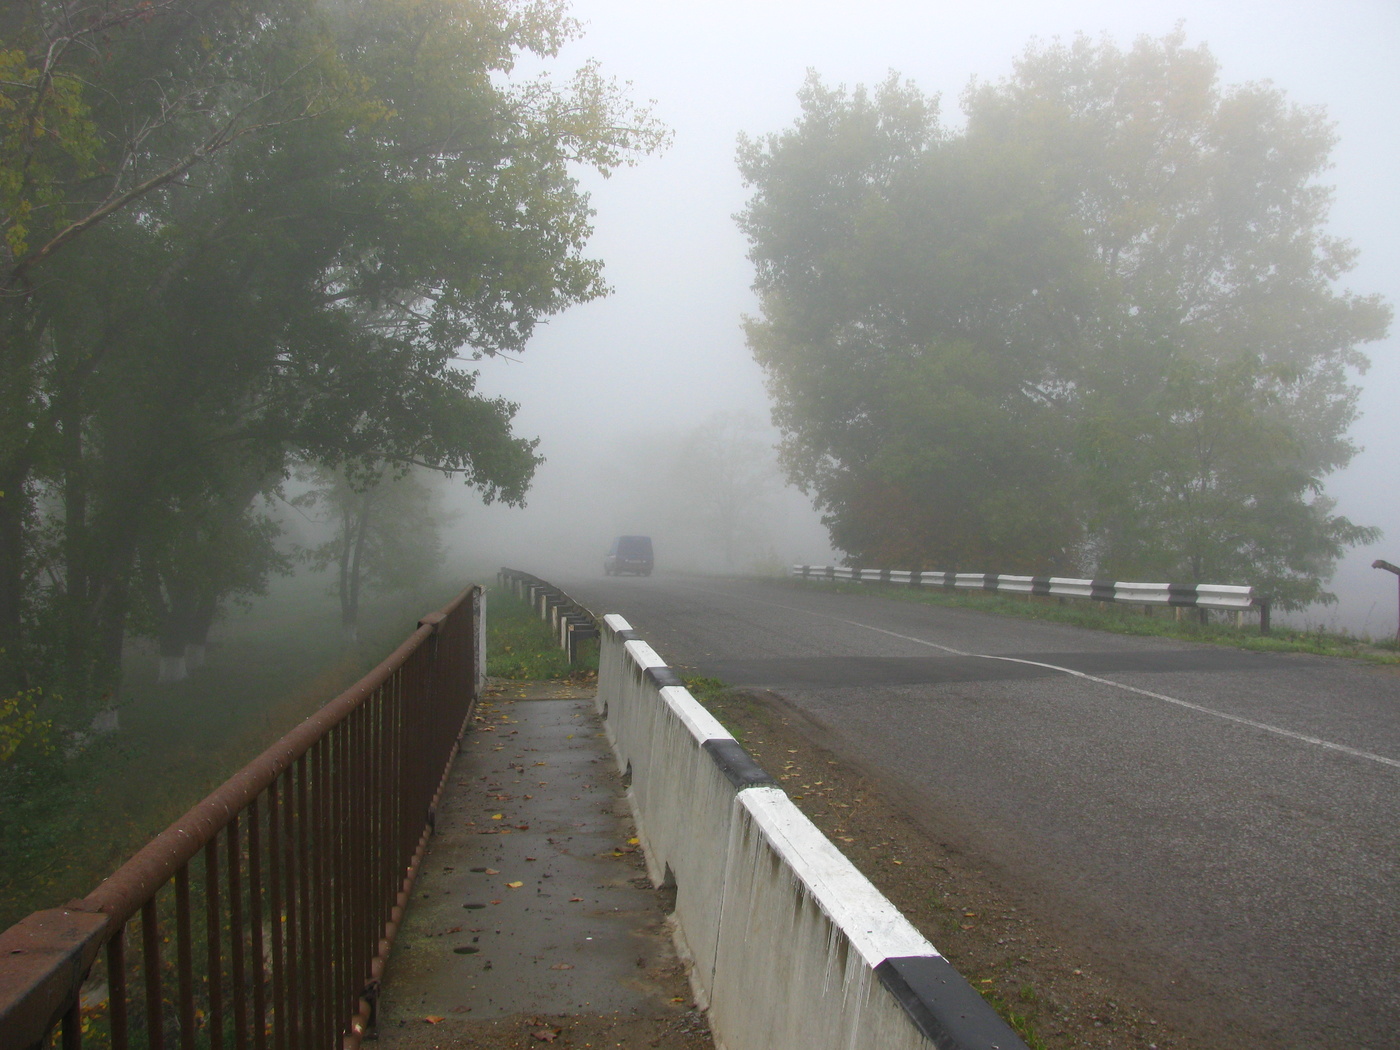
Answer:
(665, 351)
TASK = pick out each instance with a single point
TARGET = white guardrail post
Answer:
(1175, 595)
(791, 947)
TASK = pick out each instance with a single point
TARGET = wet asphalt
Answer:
(1222, 826)
(532, 897)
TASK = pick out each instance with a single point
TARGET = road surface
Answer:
(1224, 825)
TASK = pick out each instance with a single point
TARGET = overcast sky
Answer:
(665, 350)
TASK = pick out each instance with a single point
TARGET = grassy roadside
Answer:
(1132, 620)
(520, 646)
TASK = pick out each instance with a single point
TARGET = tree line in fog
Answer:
(240, 238)
(1095, 328)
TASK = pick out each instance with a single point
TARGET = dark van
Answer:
(628, 554)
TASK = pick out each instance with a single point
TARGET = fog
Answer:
(614, 388)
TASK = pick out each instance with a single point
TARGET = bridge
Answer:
(266, 916)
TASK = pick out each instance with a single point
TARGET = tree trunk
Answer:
(12, 514)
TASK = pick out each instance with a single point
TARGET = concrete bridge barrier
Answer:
(792, 948)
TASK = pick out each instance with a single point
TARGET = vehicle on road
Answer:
(629, 554)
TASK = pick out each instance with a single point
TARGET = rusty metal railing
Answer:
(261, 920)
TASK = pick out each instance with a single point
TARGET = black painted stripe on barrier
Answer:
(1103, 590)
(1040, 585)
(943, 1006)
(662, 676)
(990, 582)
(1182, 594)
(738, 765)
(628, 636)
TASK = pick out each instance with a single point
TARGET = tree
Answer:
(384, 532)
(908, 331)
(370, 203)
(1214, 383)
(722, 477)
(1097, 329)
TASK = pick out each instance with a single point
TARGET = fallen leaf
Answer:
(633, 842)
(514, 885)
(434, 1018)
(547, 1035)
(575, 900)
(495, 816)
(562, 966)
(495, 902)
(491, 871)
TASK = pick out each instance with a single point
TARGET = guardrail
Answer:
(570, 621)
(1173, 595)
(263, 917)
(792, 948)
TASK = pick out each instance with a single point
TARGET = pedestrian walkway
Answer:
(533, 922)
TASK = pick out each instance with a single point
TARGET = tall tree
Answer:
(1099, 328)
(908, 331)
(1216, 366)
(370, 203)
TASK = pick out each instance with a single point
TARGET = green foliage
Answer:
(22, 731)
(1097, 330)
(520, 646)
(252, 234)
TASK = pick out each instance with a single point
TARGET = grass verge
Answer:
(1132, 620)
(520, 646)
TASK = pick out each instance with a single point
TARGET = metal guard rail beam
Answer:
(1174, 595)
(279, 894)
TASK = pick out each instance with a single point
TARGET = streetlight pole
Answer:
(1379, 564)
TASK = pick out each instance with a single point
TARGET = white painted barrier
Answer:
(792, 947)
(1177, 595)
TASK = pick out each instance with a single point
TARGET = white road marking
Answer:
(1225, 715)
(1199, 708)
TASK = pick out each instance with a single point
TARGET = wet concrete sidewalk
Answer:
(533, 921)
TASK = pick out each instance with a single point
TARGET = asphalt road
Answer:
(1224, 827)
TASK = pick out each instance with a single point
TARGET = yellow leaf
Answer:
(514, 885)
